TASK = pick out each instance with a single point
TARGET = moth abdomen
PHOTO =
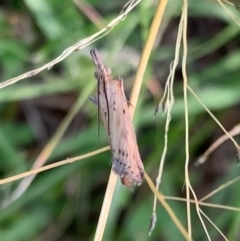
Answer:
(130, 174)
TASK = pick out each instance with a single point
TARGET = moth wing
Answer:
(127, 162)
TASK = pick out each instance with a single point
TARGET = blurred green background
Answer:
(64, 203)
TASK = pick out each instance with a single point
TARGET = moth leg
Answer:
(120, 80)
(122, 88)
(129, 103)
(94, 100)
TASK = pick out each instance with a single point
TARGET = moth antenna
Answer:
(98, 115)
(108, 112)
(94, 100)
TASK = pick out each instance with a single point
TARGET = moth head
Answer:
(101, 72)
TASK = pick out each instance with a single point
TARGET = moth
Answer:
(114, 112)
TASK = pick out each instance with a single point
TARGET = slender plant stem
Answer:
(146, 53)
(133, 100)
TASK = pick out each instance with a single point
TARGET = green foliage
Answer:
(64, 203)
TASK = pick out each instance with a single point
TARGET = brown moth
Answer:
(113, 110)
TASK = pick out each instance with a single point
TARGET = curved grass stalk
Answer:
(234, 18)
(215, 119)
(214, 225)
(220, 188)
(54, 165)
(77, 46)
(204, 157)
(212, 205)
